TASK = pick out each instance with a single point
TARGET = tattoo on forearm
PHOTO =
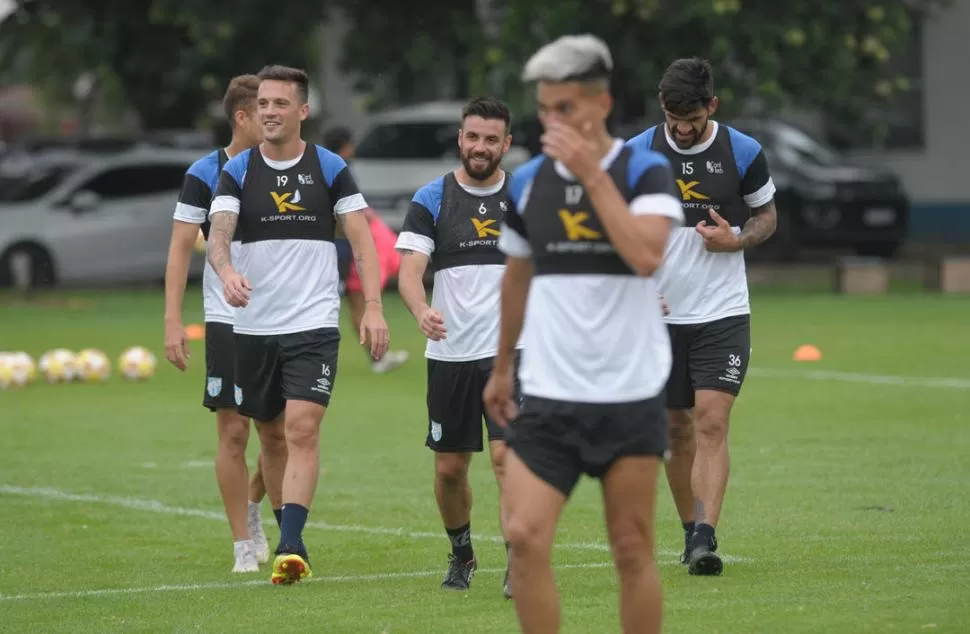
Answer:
(220, 239)
(760, 226)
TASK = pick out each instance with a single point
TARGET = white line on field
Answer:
(154, 506)
(386, 576)
(956, 383)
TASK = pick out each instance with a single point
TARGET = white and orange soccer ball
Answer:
(17, 369)
(93, 366)
(58, 366)
(136, 364)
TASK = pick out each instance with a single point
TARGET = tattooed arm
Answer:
(760, 226)
(220, 241)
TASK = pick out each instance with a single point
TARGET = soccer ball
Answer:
(17, 369)
(93, 366)
(58, 366)
(136, 364)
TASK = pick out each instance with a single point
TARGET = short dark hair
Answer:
(240, 95)
(686, 85)
(296, 76)
(487, 108)
(336, 138)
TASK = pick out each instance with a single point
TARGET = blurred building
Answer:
(930, 149)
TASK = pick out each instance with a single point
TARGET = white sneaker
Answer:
(260, 543)
(391, 359)
(245, 555)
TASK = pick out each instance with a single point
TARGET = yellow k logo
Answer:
(687, 190)
(484, 228)
(573, 223)
(283, 203)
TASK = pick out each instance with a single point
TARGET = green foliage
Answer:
(838, 55)
(169, 57)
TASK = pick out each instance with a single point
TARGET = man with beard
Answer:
(728, 199)
(453, 223)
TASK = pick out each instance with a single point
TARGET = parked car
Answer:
(824, 199)
(406, 148)
(106, 218)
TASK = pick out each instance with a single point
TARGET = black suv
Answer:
(824, 199)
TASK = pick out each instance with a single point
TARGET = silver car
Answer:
(405, 149)
(79, 219)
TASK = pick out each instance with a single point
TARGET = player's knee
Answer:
(526, 536)
(451, 469)
(272, 440)
(711, 425)
(631, 546)
(302, 432)
(233, 432)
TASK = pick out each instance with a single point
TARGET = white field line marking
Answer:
(155, 506)
(77, 594)
(956, 383)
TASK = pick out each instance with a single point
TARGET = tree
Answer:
(836, 55)
(405, 52)
(169, 58)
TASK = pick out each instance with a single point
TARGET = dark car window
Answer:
(409, 141)
(32, 186)
(136, 180)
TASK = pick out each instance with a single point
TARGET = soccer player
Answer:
(339, 140)
(588, 230)
(453, 223)
(728, 199)
(250, 545)
(286, 197)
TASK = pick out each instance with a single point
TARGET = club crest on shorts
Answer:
(213, 385)
(435, 431)
(238, 395)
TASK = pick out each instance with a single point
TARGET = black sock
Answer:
(461, 542)
(291, 526)
(705, 532)
(278, 513)
(688, 527)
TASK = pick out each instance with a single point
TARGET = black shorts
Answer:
(559, 441)
(220, 366)
(456, 407)
(711, 356)
(273, 369)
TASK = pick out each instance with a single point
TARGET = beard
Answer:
(685, 143)
(491, 164)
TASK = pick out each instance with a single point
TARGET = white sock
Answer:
(255, 509)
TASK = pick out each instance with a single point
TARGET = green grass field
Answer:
(847, 509)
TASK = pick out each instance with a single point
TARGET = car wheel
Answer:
(25, 267)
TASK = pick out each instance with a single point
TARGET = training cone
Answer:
(807, 352)
(195, 332)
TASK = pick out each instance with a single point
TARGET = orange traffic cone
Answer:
(195, 332)
(807, 352)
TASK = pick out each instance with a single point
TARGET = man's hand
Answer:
(235, 288)
(498, 396)
(176, 348)
(576, 152)
(373, 331)
(432, 324)
(719, 238)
